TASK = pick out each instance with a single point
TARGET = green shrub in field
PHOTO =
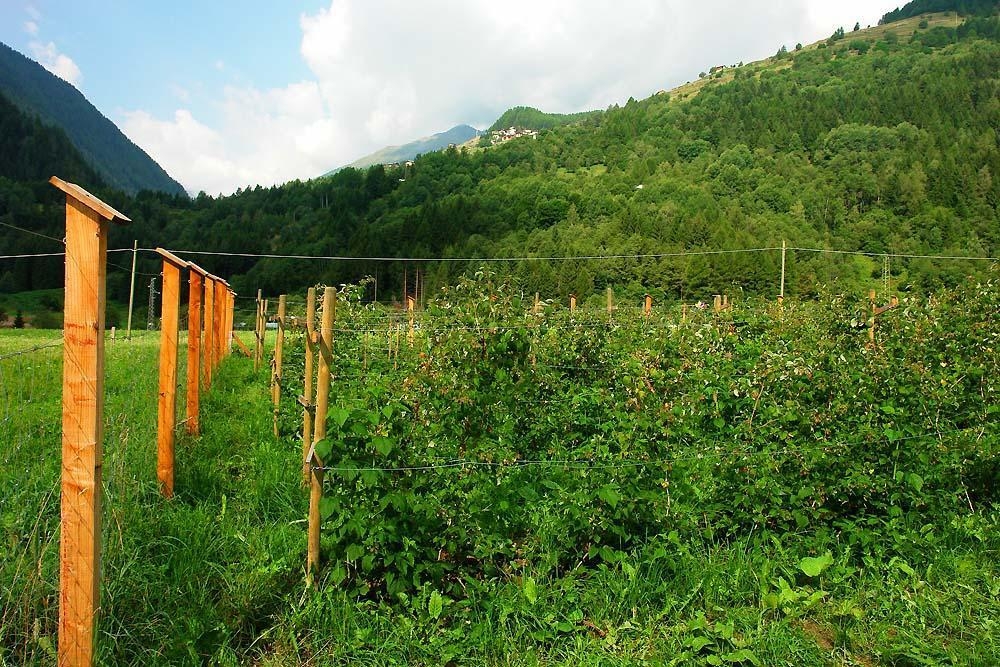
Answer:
(504, 441)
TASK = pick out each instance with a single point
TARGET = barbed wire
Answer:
(28, 231)
(568, 258)
(37, 348)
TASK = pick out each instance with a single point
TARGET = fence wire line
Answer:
(55, 254)
(563, 258)
(37, 348)
(39, 234)
(590, 464)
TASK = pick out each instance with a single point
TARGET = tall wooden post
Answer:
(611, 303)
(537, 308)
(718, 303)
(647, 306)
(307, 389)
(131, 290)
(781, 294)
(221, 287)
(572, 303)
(409, 308)
(278, 350)
(87, 222)
(208, 358)
(874, 309)
(319, 431)
(167, 404)
(196, 290)
(257, 331)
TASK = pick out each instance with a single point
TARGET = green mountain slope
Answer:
(396, 154)
(882, 141)
(963, 7)
(120, 162)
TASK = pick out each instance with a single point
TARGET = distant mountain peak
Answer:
(457, 135)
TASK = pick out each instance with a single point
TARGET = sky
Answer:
(226, 95)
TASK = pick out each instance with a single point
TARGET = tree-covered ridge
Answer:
(120, 162)
(873, 143)
(34, 151)
(963, 7)
(533, 119)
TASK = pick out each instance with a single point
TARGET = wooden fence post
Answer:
(718, 303)
(611, 303)
(409, 308)
(221, 287)
(874, 309)
(196, 289)
(167, 404)
(278, 350)
(87, 222)
(572, 303)
(256, 330)
(307, 389)
(319, 432)
(208, 357)
(538, 304)
(647, 306)
(231, 310)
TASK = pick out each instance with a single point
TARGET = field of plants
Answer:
(508, 487)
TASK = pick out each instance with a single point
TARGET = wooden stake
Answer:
(257, 350)
(167, 403)
(409, 308)
(307, 389)
(611, 303)
(87, 222)
(572, 303)
(278, 350)
(647, 307)
(208, 357)
(196, 289)
(718, 303)
(319, 432)
(874, 309)
(538, 304)
(781, 294)
(131, 290)
(221, 287)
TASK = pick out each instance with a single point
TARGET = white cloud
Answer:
(31, 28)
(389, 71)
(58, 63)
(33, 12)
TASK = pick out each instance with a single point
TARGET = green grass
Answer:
(215, 575)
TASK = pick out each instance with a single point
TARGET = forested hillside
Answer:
(39, 93)
(871, 142)
(963, 7)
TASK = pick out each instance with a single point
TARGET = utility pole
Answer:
(152, 304)
(781, 295)
(131, 290)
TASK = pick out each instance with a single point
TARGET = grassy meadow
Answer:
(215, 576)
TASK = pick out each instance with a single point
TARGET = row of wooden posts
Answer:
(211, 305)
(210, 325)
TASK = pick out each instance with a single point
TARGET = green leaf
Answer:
(813, 567)
(530, 590)
(383, 445)
(743, 655)
(327, 506)
(698, 643)
(339, 416)
(323, 449)
(609, 495)
(916, 481)
(354, 552)
(435, 605)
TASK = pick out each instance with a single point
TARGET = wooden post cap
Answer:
(172, 258)
(90, 201)
(197, 269)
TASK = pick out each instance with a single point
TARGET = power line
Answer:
(891, 255)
